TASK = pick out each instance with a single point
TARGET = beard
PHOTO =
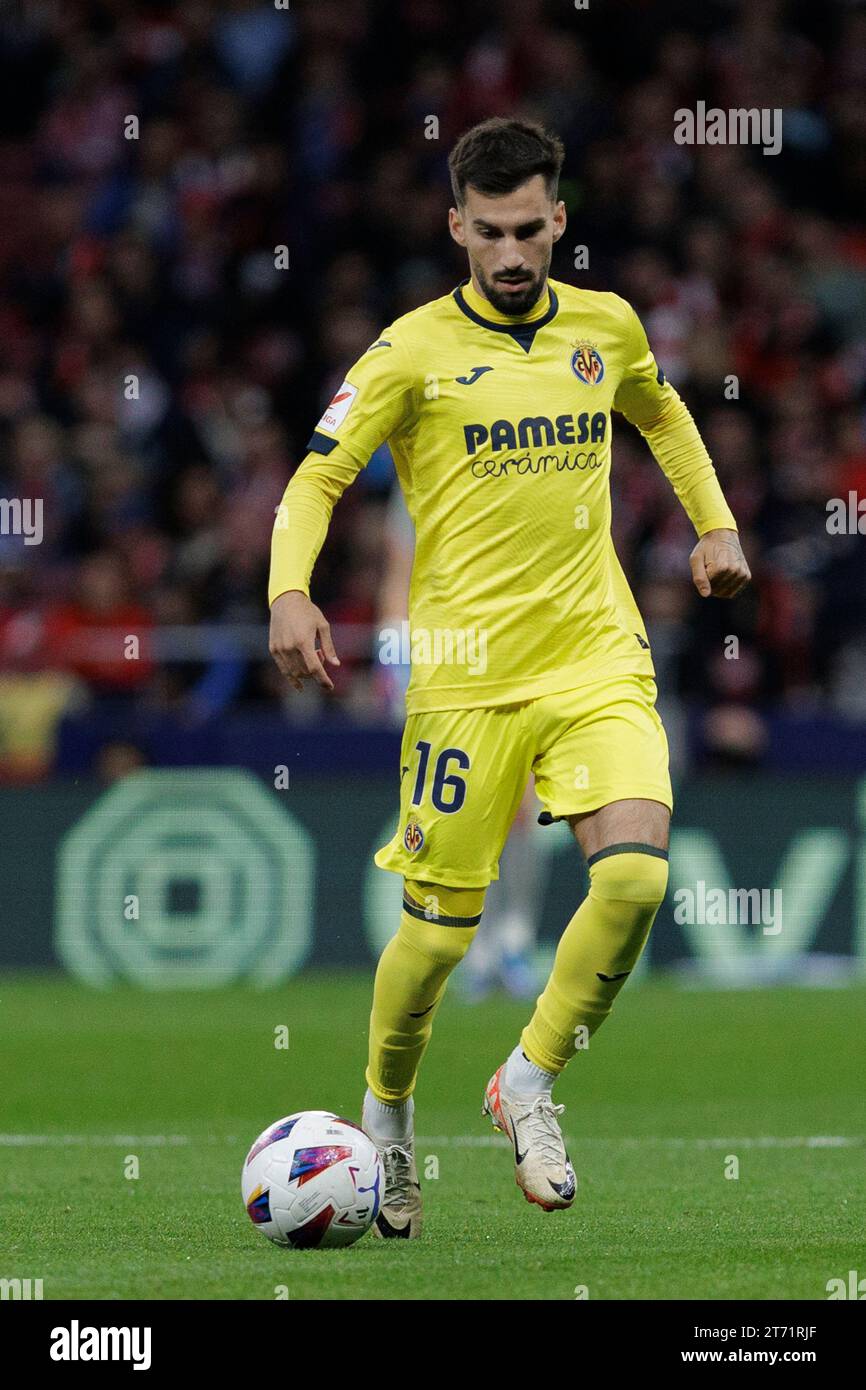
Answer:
(514, 302)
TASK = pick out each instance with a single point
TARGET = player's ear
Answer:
(455, 226)
(560, 219)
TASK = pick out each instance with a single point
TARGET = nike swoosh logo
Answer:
(424, 1011)
(403, 773)
(568, 1188)
(608, 979)
(384, 1225)
(473, 377)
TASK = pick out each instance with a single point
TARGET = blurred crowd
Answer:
(161, 368)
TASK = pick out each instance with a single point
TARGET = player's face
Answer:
(509, 240)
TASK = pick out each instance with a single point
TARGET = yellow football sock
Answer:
(436, 929)
(597, 951)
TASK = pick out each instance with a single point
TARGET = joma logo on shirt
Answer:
(536, 431)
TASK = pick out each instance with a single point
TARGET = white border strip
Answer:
(457, 1141)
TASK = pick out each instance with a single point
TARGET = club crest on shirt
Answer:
(587, 364)
(413, 836)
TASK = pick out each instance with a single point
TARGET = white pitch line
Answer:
(767, 1141)
(62, 1141)
(463, 1141)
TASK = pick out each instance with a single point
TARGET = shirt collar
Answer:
(483, 309)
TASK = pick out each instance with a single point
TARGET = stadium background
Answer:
(151, 260)
(240, 817)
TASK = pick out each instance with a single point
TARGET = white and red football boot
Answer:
(542, 1168)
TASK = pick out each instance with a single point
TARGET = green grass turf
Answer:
(655, 1216)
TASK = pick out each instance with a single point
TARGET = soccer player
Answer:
(529, 654)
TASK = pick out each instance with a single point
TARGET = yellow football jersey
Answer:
(500, 431)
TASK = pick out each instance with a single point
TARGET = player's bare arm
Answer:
(297, 625)
(719, 566)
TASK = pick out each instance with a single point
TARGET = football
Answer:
(312, 1181)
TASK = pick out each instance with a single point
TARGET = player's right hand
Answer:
(296, 624)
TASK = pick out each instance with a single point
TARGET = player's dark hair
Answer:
(498, 155)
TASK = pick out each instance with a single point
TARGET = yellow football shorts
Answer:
(463, 773)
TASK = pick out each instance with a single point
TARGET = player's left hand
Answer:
(719, 565)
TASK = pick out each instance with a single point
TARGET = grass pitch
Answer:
(675, 1087)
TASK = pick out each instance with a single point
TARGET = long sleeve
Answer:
(374, 403)
(303, 518)
(651, 404)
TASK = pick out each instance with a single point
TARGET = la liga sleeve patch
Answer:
(338, 408)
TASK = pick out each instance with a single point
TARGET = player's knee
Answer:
(440, 922)
(630, 876)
